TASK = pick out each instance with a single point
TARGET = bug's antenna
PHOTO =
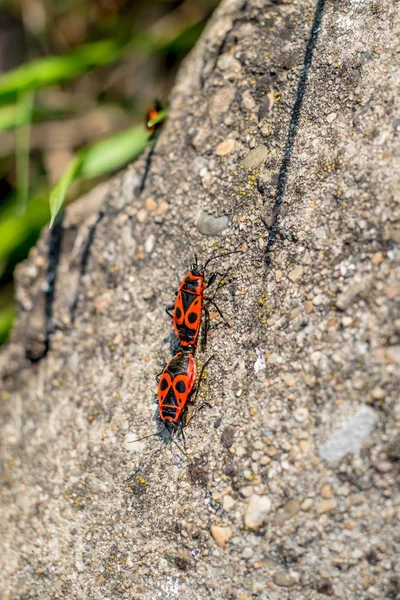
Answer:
(190, 243)
(180, 449)
(222, 255)
(145, 437)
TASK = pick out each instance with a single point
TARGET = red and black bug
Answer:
(189, 303)
(175, 385)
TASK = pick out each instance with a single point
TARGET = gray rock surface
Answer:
(351, 437)
(85, 514)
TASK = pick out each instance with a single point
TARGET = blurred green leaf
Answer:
(55, 69)
(22, 140)
(9, 117)
(22, 231)
(102, 158)
(12, 117)
(114, 152)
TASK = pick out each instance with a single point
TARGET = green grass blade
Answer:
(55, 69)
(7, 314)
(58, 193)
(22, 143)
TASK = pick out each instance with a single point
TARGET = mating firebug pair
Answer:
(177, 380)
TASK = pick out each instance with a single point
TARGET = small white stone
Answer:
(307, 504)
(300, 415)
(149, 243)
(318, 299)
(228, 502)
(257, 511)
(247, 553)
(246, 491)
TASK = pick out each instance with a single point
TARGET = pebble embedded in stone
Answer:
(260, 364)
(300, 415)
(247, 553)
(246, 491)
(308, 306)
(286, 512)
(326, 491)
(151, 204)
(141, 215)
(383, 466)
(248, 101)
(331, 117)
(318, 300)
(164, 206)
(296, 273)
(326, 505)
(256, 157)
(289, 380)
(349, 439)
(208, 224)
(307, 504)
(228, 502)
(225, 148)
(305, 446)
(286, 578)
(257, 511)
(221, 535)
(377, 258)
(150, 243)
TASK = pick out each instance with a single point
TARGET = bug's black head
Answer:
(197, 270)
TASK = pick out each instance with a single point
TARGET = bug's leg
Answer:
(157, 377)
(168, 310)
(203, 341)
(220, 283)
(183, 436)
(218, 309)
(200, 376)
(211, 279)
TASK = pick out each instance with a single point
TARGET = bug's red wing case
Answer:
(175, 385)
(187, 317)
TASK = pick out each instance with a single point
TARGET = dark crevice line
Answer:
(293, 127)
(54, 253)
(149, 159)
(84, 263)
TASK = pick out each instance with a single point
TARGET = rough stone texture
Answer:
(84, 513)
